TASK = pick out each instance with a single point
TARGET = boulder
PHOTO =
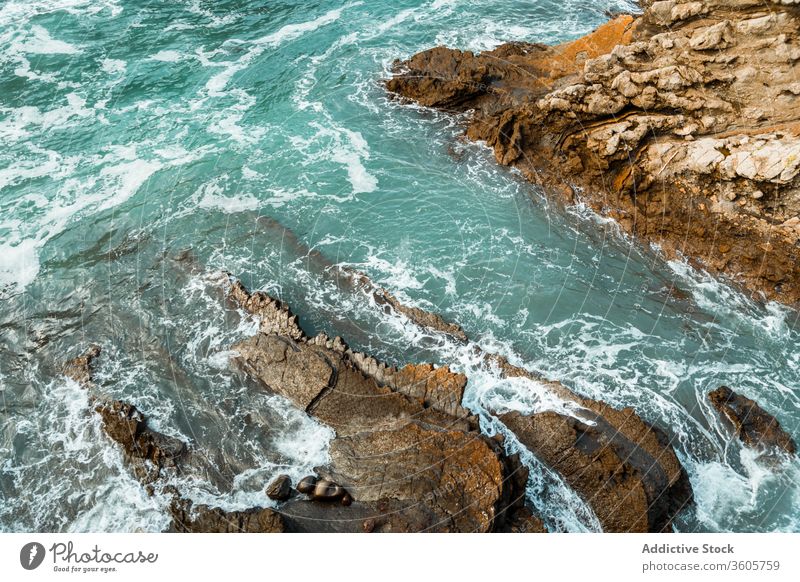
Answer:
(754, 426)
(280, 489)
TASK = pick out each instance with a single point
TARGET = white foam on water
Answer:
(166, 56)
(113, 66)
(341, 145)
(119, 175)
(396, 274)
(212, 195)
(19, 263)
(41, 43)
(217, 84)
(71, 477)
(22, 122)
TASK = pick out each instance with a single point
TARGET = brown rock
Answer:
(124, 424)
(626, 474)
(651, 118)
(752, 424)
(403, 441)
(280, 489)
(624, 468)
(189, 518)
(81, 368)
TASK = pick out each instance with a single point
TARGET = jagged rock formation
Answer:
(147, 451)
(623, 467)
(405, 449)
(420, 317)
(752, 424)
(683, 124)
(392, 424)
(80, 369)
(407, 456)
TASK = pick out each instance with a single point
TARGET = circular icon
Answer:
(31, 555)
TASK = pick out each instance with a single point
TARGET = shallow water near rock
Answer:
(148, 149)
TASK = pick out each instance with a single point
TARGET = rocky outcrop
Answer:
(407, 456)
(81, 368)
(402, 434)
(148, 451)
(190, 518)
(683, 124)
(623, 467)
(406, 451)
(420, 317)
(752, 424)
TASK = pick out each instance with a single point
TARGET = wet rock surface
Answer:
(392, 423)
(407, 456)
(280, 489)
(80, 369)
(190, 518)
(623, 467)
(406, 451)
(752, 424)
(683, 124)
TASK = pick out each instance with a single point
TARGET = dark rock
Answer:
(189, 518)
(753, 425)
(280, 489)
(124, 424)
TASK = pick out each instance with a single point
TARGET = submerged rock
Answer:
(683, 124)
(752, 424)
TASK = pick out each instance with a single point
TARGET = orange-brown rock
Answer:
(683, 124)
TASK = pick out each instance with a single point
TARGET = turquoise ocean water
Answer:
(147, 145)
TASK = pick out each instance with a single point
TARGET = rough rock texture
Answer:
(406, 451)
(190, 518)
(407, 455)
(682, 124)
(623, 467)
(752, 424)
(412, 458)
(81, 368)
(148, 451)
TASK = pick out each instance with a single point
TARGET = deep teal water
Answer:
(148, 145)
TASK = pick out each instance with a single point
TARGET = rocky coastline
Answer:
(681, 123)
(407, 455)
